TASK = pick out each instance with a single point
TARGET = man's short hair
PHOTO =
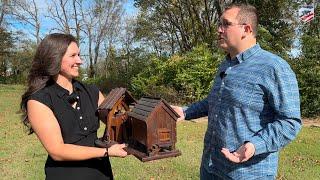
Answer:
(247, 14)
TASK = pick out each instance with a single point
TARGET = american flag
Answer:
(306, 13)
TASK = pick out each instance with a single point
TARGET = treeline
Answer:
(168, 49)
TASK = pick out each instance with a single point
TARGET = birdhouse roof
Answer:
(114, 95)
(146, 105)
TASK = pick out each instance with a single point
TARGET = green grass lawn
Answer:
(22, 156)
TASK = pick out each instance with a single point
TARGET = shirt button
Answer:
(77, 97)
(78, 108)
(216, 115)
(85, 128)
(80, 117)
(219, 99)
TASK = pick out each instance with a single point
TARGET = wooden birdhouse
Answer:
(153, 129)
(113, 112)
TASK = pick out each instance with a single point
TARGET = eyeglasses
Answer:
(226, 24)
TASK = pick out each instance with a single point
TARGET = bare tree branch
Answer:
(27, 12)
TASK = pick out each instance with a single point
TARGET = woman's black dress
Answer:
(78, 126)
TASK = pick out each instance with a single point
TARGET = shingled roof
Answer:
(146, 105)
(114, 95)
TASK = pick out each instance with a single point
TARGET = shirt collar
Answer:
(62, 91)
(241, 57)
(77, 85)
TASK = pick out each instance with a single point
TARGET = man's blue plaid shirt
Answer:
(254, 98)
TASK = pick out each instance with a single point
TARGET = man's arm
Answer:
(195, 110)
(283, 97)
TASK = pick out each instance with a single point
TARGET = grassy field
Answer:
(22, 156)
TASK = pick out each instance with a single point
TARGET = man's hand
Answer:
(179, 111)
(244, 153)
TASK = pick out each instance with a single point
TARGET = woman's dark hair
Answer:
(45, 65)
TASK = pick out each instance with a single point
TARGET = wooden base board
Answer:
(144, 157)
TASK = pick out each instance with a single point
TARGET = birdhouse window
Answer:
(164, 134)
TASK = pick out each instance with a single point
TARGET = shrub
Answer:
(308, 76)
(181, 78)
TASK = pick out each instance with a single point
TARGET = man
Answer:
(253, 108)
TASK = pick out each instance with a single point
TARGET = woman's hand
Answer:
(117, 150)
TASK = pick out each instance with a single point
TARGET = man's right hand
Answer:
(179, 111)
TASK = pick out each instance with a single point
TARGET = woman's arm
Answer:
(47, 128)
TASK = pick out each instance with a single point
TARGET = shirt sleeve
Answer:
(196, 110)
(42, 97)
(93, 91)
(283, 96)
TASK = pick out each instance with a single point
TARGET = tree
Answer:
(27, 13)
(4, 8)
(21, 60)
(178, 24)
(307, 66)
(188, 27)
(127, 40)
(6, 48)
(181, 78)
(277, 25)
(101, 25)
(66, 15)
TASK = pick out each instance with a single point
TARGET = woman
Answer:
(61, 111)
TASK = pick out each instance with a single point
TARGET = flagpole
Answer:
(315, 3)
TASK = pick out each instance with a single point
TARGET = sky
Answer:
(46, 23)
(129, 7)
